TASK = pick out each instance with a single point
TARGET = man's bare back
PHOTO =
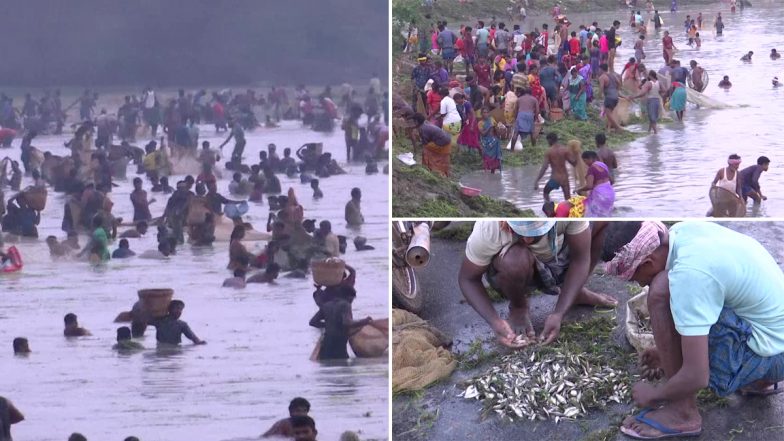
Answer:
(608, 157)
(527, 104)
(558, 156)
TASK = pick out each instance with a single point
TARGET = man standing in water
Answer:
(749, 180)
(520, 256)
(606, 155)
(556, 158)
(717, 318)
(697, 73)
(141, 206)
(610, 84)
(353, 212)
(239, 143)
(170, 328)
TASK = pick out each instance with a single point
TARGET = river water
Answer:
(259, 341)
(669, 174)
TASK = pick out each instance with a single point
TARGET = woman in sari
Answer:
(469, 134)
(577, 95)
(586, 71)
(678, 99)
(598, 186)
(537, 91)
(436, 143)
(491, 146)
(433, 103)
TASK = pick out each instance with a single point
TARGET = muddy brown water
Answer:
(669, 174)
(259, 341)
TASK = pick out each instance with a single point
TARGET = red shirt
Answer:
(667, 42)
(574, 46)
(483, 75)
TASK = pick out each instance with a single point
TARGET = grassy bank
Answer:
(418, 192)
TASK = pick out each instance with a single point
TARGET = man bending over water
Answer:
(520, 256)
(298, 407)
(749, 180)
(170, 328)
(717, 317)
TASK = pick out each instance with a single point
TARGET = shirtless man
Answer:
(556, 158)
(9, 415)
(525, 116)
(696, 76)
(606, 155)
(353, 212)
(610, 83)
(297, 407)
(72, 328)
(141, 206)
(268, 276)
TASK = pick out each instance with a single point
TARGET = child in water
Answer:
(725, 82)
(124, 342)
(317, 193)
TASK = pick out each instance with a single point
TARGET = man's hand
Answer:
(552, 328)
(506, 336)
(764, 198)
(644, 394)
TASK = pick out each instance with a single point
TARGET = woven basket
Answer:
(35, 197)
(329, 272)
(156, 301)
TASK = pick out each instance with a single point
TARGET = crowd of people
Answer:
(481, 87)
(192, 211)
(716, 317)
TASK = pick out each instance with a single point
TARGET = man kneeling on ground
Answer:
(717, 315)
(520, 256)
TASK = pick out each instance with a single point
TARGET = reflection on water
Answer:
(669, 174)
(259, 341)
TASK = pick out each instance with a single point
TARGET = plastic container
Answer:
(470, 191)
(329, 272)
(155, 301)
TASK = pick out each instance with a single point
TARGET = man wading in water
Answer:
(518, 257)
(717, 316)
(556, 158)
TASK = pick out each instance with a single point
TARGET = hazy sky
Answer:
(191, 42)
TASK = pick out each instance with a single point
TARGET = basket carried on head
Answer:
(156, 301)
(35, 197)
(329, 272)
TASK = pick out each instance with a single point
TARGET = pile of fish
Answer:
(548, 386)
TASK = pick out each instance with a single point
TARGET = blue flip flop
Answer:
(667, 432)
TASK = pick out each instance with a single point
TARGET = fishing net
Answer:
(419, 354)
(726, 203)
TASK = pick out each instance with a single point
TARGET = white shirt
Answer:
(449, 110)
(488, 240)
(149, 100)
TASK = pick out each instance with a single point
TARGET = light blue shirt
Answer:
(711, 267)
(482, 36)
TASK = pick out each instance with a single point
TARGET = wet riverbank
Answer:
(439, 414)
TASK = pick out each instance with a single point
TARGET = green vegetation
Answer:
(420, 193)
(458, 231)
(475, 356)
